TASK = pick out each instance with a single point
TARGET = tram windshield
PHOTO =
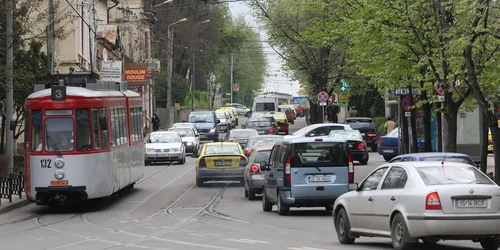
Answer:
(59, 134)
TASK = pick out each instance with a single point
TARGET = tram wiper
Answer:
(53, 144)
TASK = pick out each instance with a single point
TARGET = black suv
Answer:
(367, 128)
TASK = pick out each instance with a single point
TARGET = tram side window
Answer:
(83, 138)
(124, 125)
(36, 131)
(133, 137)
(96, 129)
(114, 122)
(105, 135)
(137, 121)
(120, 124)
(141, 125)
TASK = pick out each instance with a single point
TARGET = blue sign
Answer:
(322, 96)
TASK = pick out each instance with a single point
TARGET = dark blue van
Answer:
(206, 124)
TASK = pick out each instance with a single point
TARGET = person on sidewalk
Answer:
(156, 122)
(389, 125)
(333, 112)
(353, 112)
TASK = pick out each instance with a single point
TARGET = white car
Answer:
(318, 130)
(190, 139)
(163, 146)
(430, 201)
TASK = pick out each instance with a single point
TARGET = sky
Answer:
(276, 79)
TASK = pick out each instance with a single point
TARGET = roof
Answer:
(84, 92)
(262, 148)
(317, 125)
(221, 143)
(420, 164)
(242, 129)
(359, 118)
(314, 139)
(433, 154)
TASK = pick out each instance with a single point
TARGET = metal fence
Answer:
(11, 185)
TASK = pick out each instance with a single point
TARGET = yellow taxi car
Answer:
(281, 119)
(233, 110)
(220, 161)
(490, 142)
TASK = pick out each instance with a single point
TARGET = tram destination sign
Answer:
(58, 93)
(401, 91)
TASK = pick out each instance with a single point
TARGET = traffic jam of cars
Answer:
(423, 197)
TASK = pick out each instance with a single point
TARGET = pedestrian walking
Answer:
(389, 125)
(156, 122)
(332, 111)
(353, 112)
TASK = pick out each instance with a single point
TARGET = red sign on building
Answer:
(136, 74)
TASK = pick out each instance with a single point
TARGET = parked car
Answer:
(233, 111)
(261, 141)
(185, 125)
(430, 201)
(281, 120)
(357, 144)
(253, 176)
(388, 145)
(436, 156)
(306, 172)
(367, 128)
(299, 111)
(220, 161)
(318, 130)
(241, 109)
(164, 146)
(189, 138)
(263, 126)
(225, 121)
(240, 136)
(206, 124)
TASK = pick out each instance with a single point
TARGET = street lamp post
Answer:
(170, 33)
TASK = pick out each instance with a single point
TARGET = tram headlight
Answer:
(59, 174)
(59, 163)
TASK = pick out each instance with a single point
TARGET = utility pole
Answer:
(194, 81)
(231, 83)
(9, 106)
(50, 38)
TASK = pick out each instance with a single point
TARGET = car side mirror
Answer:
(217, 122)
(264, 166)
(353, 187)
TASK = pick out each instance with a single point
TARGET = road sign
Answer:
(322, 96)
(406, 103)
(400, 91)
(407, 114)
(322, 104)
(236, 87)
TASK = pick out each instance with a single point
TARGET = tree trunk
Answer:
(427, 123)
(484, 144)
(404, 133)
(413, 122)
(439, 132)
(313, 113)
(3, 135)
(450, 127)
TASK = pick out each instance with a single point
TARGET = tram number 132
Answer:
(45, 163)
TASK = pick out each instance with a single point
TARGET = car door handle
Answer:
(393, 198)
(370, 199)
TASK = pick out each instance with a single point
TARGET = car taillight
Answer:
(432, 202)
(361, 146)
(351, 167)
(318, 139)
(288, 177)
(230, 141)
(379, 141)
(271, 130)
(203, 163)
(248, 151)
(371, 134)
(254, 169)
(243, 161)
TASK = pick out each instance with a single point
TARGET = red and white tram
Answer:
(82, 143)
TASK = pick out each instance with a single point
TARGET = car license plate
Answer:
(262, 132)
(161, 155)
(388, 151)
(363, 134)
(471, 204)
(320, 178)
(203, 136)
(59, 182)
(222, 163)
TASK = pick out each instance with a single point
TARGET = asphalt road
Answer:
(167, 211)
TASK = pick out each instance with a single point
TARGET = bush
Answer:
(379, 124)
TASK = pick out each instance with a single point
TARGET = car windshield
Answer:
(264, 106)
(262, 141)
(220, 115)
(258, 124)
(393, 133)
(319, 154)
(262, 155)
(243, 134)
(183, 125)
(201, 117)
(345, 134)
(459, 159)
(183, 132)
(59, 134)
(356, 125)
(164, 138)
(443, 175)
(222, 149)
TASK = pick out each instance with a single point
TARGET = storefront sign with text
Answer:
(136, 74)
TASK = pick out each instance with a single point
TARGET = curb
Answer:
(14, 206)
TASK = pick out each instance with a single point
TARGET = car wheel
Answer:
(286, 132)
(293, 122)
(329, 207)
(147, 163)
(374, 148)
(399, 233)
(199, 182)
(266, 204)
(251, 195)
(343, 227)
(181, 161)
(430, 241)
(490, 243)
(282, 209)
(365, 160)
(388, 158)
(246, 192)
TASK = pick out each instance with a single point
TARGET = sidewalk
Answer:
(6, 206)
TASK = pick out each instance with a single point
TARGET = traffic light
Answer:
(344, 85)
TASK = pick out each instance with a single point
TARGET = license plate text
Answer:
(59, 182)
(320, 178)
(471, 203)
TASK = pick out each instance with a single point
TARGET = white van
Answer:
(264, 104)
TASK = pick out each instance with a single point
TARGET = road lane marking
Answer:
(249, 241)
(201, 235)
(304, 248)
(123, 221)
(153, 228)
(193, 244)
(151, 248)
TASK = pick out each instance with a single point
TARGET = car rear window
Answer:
(438, 175)
(459, 159)
(356, 125)
(264, 141)
(222, 149)
(262, 155)
(243, 134)
(319, 154)
(258, 124)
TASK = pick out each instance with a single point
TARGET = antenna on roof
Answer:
(444, 157)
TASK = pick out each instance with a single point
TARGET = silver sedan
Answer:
(428, 201)
(253, 176)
